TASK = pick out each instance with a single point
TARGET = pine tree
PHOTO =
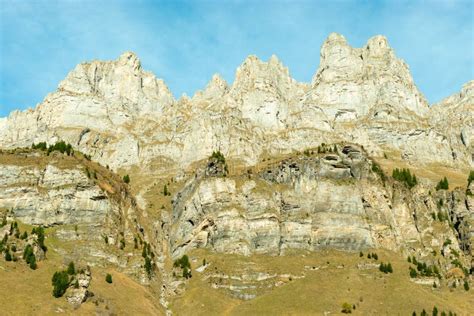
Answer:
(470, 178)
(108, 278)
(389, 268)
(71, 270)
(126, 178)
(60, 282)
(148, 266)
(32, 262)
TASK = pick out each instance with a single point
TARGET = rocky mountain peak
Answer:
(468, 89)
(257, 75)
(378, 46)
(122, 80)
(364, 79)
(216, 88)
(130, 59)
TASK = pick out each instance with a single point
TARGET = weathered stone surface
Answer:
(52, 196)
(78, 294)
(313, 202)
(124, 116)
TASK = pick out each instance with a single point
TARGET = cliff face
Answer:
(83, 203)
(124, 116)
(265, 197)
(314, 202)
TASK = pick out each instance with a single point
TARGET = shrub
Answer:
(435, 311)
(8, 256)
(442, 184)
(405, 176)
(108, 278)
(442, 216)
(126, 179)
(144, 251)
(39, 232)
(32, 262)
(346, 308)
(361, 254)
(183, 262)
(389, 268)
(40, 146)
(186, 273)
(29, 256)
(470, 178)
(71, 270)
(60, 146)
(386, 268)
(24, 235)
(466, 285)
(378, 170)
(165, 190)
(60, 283)
(148, 266)
(413, 273)
(185, 265)
(218, 156)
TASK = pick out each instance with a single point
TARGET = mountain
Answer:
(123, 115)
(249, 192)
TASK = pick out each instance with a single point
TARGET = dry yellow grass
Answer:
(321, 291)
(29, 292)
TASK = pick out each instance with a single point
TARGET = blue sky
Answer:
(185, 42)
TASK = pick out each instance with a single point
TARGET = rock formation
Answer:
(263, 166)
(124, 116)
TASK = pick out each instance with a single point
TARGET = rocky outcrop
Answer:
(124, 116)
(52, 196)
(78, 291)
(330, 200)
(84, 206)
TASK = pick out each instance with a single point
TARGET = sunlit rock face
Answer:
(313, 202)
(125, 116)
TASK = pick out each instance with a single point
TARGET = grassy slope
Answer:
(26, 292)
(323, 290)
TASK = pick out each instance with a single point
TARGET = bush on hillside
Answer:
(405, 176)
(108, 278)
(442, 184)
(60, 282)
(126, 179)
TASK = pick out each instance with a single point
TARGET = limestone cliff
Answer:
(124, 116)
(318, 201)
(245, 169)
